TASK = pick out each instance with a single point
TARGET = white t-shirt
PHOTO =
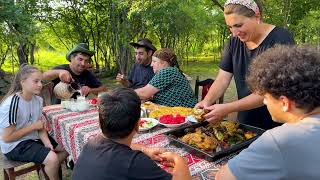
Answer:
(290, 151)
(17, 111)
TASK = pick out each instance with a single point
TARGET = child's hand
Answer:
(171, 158)
(120, 77)
(49, 145)
(154, 153)
(38, 125)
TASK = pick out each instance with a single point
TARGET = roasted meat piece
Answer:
(200, 140)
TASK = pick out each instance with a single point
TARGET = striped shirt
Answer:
(19, 112)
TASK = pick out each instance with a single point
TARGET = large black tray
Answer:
(175, 134)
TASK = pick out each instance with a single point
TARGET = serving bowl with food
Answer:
(172, 121)
(147, 123)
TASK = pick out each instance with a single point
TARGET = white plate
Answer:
(174, 125)
(192, 119)
(154, 123)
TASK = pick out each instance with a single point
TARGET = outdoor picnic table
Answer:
(73, 129)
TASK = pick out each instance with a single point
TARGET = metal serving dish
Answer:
(175, 134)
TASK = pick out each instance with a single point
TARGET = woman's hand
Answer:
(217, 112)
(202, 105)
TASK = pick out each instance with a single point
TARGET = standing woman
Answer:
(250, 37)
(22, 133)
(168, 87)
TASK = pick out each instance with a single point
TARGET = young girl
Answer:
(22, 133)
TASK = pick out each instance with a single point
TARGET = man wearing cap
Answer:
(76, 71)
(141, 72)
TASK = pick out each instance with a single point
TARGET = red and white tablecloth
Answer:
(73, 129)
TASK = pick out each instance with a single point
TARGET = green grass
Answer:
(48, 59)
(44, 60)
(204, 69)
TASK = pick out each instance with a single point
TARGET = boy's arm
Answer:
(11, 133)
(43, 135)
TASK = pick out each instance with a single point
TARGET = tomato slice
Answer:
(170, 119)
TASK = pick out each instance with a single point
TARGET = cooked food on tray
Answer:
(163, 110)
(216, 136)
(200, 140)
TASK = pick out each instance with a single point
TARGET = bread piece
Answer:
(199, 114)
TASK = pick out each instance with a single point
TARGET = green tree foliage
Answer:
(18, 28)
(190, 27)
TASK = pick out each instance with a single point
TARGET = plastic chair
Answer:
(12, 169)
(205, 84)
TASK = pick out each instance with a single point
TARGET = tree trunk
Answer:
(3, 57)
(286, 10)
(33, 45)
(215, 2)
(22, 54)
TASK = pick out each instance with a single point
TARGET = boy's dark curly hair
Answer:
(119, 112)
(291, 71)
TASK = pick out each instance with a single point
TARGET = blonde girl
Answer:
(22, 132)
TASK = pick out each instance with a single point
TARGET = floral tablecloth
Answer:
(73, 129)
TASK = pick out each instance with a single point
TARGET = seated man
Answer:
(112, 156)
(141, 72)
(289, 79)
(76, 71)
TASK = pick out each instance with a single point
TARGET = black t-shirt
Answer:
(86, 78)
(140, 75)
(236, 59)
(103, 159)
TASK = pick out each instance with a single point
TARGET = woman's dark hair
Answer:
(166, 54)
(291, 71)
(119, 112)
(242, 10)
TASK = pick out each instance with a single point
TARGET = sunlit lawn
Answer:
(43, 60)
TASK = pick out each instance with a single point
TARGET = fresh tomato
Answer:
(170, 119)
(141, 122)
(94, 101)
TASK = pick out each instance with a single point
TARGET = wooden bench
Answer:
(12, 169)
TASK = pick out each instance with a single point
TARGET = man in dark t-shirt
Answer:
(77, 72)
(112, 155)
(141, 72)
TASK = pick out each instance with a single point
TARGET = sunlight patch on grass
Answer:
(203, 69)
(47, 59)
(44, 60)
